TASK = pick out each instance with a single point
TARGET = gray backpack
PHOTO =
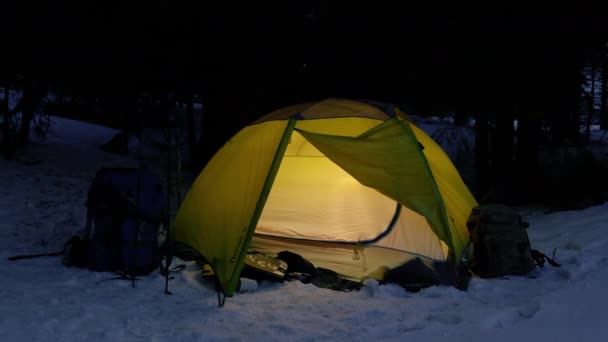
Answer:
(500, 242)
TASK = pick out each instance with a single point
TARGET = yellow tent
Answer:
(348, 185)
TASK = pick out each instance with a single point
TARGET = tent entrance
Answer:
(312, 198)
(314, 202)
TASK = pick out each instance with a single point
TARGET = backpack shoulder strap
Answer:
(540, 257)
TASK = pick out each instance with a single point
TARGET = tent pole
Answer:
(272, 172)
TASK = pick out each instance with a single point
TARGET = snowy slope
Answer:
(41, 206)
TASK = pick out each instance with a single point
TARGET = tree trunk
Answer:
(460, 118)
(191, 122)
(502, 154)
(604, 93)
(27, 111)
(527, 155)
(218, 124)
(591, 105)
(6, 133)
(482, 155)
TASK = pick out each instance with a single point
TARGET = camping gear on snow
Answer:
(125, 210)
(418, 273)
(259, 266)
(296, 264)
(291, 266)
(76, 252)
(540, 258)
(329, 279)
(124, 216)
(501, 245)
(354, 187)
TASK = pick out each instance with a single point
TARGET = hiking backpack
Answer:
(500, 242)
(125, 210)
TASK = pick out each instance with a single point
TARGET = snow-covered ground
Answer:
(42, 204)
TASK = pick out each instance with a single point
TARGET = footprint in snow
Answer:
(508, 317)
(450, 319)
(412, 327)
(529, 310)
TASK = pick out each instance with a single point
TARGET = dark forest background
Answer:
(126, 64)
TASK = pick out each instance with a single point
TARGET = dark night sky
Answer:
(247, 58)
(295, 50)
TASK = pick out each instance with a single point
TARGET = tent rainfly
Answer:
(328, 180)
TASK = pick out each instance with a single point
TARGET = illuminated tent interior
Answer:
(351, 186)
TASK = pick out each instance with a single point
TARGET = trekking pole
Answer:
(31, 256)
(168, 255)
(178, 157)
(138, 224)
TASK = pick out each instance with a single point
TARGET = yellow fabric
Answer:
(388, 159)
(216, 212)
(351, 127)
(457, 198)
(219, 211)
(330, 108)
(313, 198)
(284, 113)
(412, 233)
(337, 108)
(347, 127)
